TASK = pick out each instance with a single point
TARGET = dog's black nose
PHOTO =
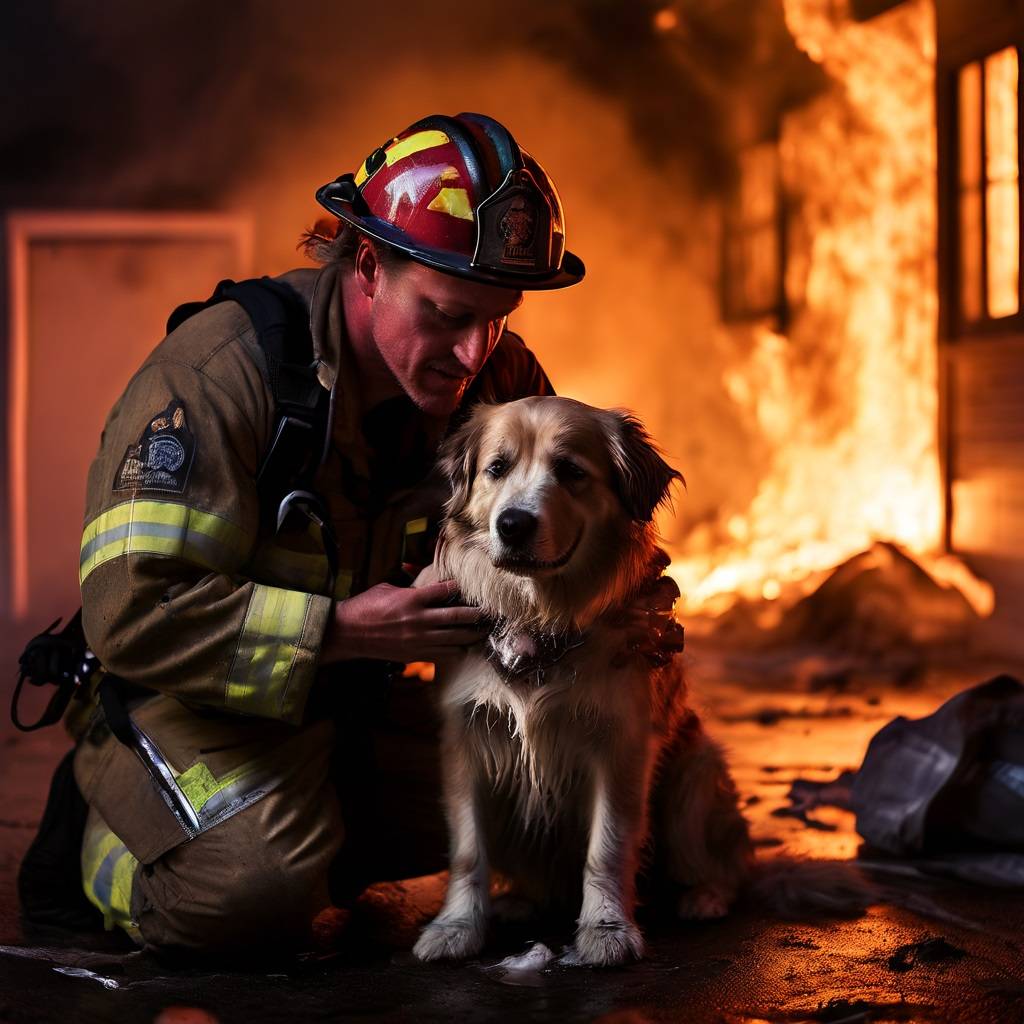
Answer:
(516, 525)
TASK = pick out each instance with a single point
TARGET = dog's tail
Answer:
(798, 889)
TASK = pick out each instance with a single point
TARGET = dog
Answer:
(565, 764)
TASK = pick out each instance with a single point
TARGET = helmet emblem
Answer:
(518, 227)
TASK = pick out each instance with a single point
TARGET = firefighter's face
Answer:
(435, 331)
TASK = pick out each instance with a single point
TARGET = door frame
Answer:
(23, 229)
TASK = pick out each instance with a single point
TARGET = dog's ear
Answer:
(458, 458)
(642, 476)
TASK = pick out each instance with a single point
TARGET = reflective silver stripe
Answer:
(165, 781)
(103, 882)
(108, 874)
(242, 788)
(251, 782)
(210, 546)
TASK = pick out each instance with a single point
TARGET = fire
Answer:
(846, 400)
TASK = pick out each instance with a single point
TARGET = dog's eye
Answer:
(568, 471)
(497, 468)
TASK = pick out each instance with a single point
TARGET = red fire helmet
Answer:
(458, 194)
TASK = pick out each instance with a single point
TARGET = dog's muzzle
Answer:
(521, 561)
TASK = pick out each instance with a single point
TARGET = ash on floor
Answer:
(934, 951)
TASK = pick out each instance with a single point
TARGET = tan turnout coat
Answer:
(186, 593)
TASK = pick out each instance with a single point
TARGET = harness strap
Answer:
(301, 404)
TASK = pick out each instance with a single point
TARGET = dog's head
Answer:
(551, 506)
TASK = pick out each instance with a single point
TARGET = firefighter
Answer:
(246, 780)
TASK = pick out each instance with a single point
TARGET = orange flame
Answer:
(858, 463)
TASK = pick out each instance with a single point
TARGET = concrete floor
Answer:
(746, 968)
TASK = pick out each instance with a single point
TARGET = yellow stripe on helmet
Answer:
(399, 149)
(454, 202)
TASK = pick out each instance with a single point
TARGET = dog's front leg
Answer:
(606, 933)
(459, 930)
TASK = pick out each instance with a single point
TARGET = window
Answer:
(753, 252)
(988, 188)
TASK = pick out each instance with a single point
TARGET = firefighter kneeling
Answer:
(263, 489)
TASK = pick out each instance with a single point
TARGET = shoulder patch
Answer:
(162, 459)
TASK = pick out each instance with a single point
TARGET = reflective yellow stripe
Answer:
(214, 800)
(258, 677)
(161, 528)
(414, 548)
(108, 871)
(121, 889)
(301, 570)
(416, 526)
(199, 785)
(454, 202)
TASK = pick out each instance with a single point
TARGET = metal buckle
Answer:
(312, 507)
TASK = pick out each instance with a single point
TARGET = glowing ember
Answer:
(847, 400)
(666, 19)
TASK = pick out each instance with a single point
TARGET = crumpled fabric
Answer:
(949, 787)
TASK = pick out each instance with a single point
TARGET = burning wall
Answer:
(845, 403)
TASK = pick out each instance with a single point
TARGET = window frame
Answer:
(956, 325)
(735, 232)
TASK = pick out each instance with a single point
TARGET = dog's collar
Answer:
(520, 653)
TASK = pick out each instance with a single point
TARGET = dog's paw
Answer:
(607, 943)
(450, 940)
(703, 903)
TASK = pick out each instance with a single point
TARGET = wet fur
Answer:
(563, 785)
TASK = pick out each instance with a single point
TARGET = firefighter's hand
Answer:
(651, 632)
(401, 624)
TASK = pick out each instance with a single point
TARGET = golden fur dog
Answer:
(563, 762)
(555, 763)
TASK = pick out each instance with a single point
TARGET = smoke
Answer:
(250, 106)
(170, 104)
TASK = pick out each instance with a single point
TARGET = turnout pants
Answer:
(240, 830)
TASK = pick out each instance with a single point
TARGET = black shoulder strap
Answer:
(301, 404)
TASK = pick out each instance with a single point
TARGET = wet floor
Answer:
(931, 951)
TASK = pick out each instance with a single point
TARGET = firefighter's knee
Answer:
(242, 861)
(251, 884)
